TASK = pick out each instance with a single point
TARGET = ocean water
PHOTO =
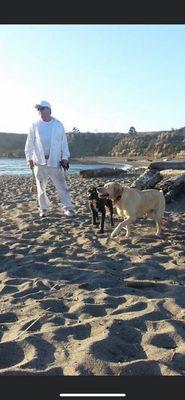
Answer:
(18, 166)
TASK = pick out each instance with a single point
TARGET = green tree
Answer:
(75, 130)
(132, 131)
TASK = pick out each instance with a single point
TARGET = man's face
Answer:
(44, 112)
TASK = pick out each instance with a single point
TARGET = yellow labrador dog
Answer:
(132, 203)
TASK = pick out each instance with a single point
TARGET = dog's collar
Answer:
(117, 199)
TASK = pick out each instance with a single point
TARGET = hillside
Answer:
(93, 144)
(150, 144)
(12, 144)
(153, 144)
(80, 144)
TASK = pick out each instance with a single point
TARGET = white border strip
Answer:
(92, 394)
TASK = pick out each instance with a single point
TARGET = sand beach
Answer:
(73, 302)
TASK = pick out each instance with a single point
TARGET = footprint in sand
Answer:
(8, 289)
(121, 344)
(3, 329)
(78, 332)
(178, 359)
(55, 306)
(137, 307)
(9, 228)
(85, 311)
(15, 281)
(11, 354)
(33, 326)
(145, 368)
(163, 340)
(8, 317)
(44, 353)
(56, 320)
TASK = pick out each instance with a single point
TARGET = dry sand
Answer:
(76, 303)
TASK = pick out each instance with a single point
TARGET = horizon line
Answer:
(112, 132)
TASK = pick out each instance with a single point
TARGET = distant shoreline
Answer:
(112, 160)
(137, 161)
(134, 161)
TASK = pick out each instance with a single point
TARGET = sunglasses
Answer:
(41, 108)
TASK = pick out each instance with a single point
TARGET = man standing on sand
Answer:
(47, 153)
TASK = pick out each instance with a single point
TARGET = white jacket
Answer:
(59, 146)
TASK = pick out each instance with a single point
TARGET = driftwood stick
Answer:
(91, 173)
(172, 172)
(172, 187)
(167, 165)
(147, 180)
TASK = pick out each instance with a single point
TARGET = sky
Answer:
(97, 77)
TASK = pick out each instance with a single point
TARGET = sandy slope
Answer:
(75, 303)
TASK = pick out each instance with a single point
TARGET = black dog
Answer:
(99, 204)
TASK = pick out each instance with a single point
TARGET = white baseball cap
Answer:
(43, 103)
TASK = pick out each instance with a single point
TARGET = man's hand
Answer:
(65, 164)
(31, 164)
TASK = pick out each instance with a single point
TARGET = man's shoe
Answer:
(43, 213)
(69, 213)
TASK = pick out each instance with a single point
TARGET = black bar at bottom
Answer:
(50, 387)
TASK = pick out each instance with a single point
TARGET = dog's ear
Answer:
(118, 190)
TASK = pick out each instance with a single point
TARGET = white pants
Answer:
(42, 172)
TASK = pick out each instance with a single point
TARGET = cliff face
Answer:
(150, 144)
